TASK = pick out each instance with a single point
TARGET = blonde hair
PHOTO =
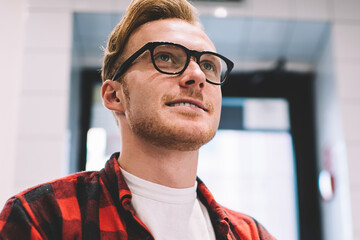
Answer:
(138, 13)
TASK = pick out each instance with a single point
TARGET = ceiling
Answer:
(252, 43)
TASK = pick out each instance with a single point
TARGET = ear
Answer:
(111, 93)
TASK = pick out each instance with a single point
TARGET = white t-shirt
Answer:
(169, 213)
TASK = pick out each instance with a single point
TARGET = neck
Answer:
(171, 168)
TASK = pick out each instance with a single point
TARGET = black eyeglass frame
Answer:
(189, 53)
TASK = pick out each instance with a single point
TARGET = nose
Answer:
(193, 76)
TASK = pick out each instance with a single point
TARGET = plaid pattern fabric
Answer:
(97, 205)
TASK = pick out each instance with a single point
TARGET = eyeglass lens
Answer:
(172, 59)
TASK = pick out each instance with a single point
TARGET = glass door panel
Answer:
(251, 167)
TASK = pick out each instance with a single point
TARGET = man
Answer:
(162, 82)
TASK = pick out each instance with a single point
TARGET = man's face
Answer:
(179, 112)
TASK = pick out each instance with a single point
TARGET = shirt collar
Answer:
(122, 195)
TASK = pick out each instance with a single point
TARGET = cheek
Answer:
(217, 106)
(217, 96)
(142, 102)
(218, 114)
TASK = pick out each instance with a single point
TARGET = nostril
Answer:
(189, 82)
(201, 85)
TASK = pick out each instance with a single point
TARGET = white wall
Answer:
(331, 152)
(12, 19)
(37, 71)
(347, 67)
(44, 94)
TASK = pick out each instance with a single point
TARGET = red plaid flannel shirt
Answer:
(96, 205)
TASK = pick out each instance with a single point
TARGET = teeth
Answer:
(184, 104)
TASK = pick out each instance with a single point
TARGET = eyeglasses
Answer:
(171, 58)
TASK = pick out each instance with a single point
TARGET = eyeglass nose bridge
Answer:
(192, 53)
(195, 54)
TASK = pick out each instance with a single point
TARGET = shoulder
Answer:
(59, 188)
(40, 210)
(57, 196)
(237, 217)
(246, 225)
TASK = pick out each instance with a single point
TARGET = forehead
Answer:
(170, 30)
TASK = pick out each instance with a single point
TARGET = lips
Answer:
(187, 103)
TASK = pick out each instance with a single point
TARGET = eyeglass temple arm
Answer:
(128, 62)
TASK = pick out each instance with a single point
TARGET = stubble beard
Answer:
(164, 136)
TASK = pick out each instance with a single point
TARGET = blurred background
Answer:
(288, 141)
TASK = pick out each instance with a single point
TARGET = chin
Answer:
(181, 136)
(184, 140)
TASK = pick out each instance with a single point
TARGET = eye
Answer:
(208, 66)
(164, 57)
